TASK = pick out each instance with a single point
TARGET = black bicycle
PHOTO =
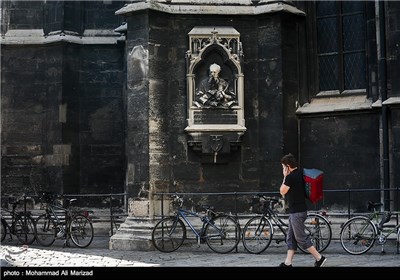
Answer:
(220, 231)
(21, 225)
(259, 231)
(359, 234)
(62, 223)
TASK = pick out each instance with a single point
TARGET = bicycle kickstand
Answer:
(66, 243)
(382, 250)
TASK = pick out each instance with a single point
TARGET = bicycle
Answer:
(22, 223)
(219, 231)
(259, 231)
(62, 223)
(358, 234)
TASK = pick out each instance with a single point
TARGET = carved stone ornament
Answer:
(215, 84)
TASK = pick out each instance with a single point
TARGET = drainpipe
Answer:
(383, 93)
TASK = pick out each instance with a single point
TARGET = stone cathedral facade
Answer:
(105, 97)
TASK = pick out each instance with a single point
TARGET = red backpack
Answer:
(313, 184)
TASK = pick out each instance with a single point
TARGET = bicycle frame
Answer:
(50, 210)
(381, 231)
(26, 221)
(219, 231)
(359, 233)
(277, 221)
(184, 214)
(281, 224)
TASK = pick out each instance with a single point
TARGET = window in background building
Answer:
(341, 45)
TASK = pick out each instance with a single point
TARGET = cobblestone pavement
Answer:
(189, 255)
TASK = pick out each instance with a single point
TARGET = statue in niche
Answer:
(214, 92)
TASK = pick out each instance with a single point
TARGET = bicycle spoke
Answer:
(222, 234)
(319, 230)
(357, 235)
(257, 235)
(24, 229)
(45, 230)
(81, 231)
(168, 234)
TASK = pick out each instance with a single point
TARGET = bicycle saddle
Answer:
(372, 205)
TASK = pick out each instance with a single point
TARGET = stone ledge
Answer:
(335, 104)
(216, 7)
(36, 36)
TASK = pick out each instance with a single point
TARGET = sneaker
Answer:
(285, 265)
(320, 262)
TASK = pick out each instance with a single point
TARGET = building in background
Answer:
(102, 97)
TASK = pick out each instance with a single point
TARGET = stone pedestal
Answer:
(133, 234)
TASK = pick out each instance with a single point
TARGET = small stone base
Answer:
(134, 234)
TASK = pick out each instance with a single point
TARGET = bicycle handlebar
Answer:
(49, 197)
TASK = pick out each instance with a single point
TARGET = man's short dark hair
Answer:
(290, 160)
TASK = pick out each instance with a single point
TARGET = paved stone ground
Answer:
(98, 262)
(189, 255)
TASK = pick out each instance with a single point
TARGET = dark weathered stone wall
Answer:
(137, 105)
(102, 121)
(88, 82)
(31, 82)
(172, 165)
(345, 147)
(63, 125)
(393, 60)
(395, 154)
(393, 47)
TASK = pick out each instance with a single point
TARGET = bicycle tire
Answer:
(257, 234)
(168, 234)
(3, 229)
(81, 231)
(45, 230)
(358, 235)
(320, 231)
(222, 234)
(25, 232)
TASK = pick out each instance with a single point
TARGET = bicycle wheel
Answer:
(3, 229)
(81, 231)
(320, 231)
(24, 229)
(168, 234)
(357, 235)
(257, 234)
(45, 230)
(222, 234)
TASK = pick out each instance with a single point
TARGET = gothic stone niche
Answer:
(215, 84)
